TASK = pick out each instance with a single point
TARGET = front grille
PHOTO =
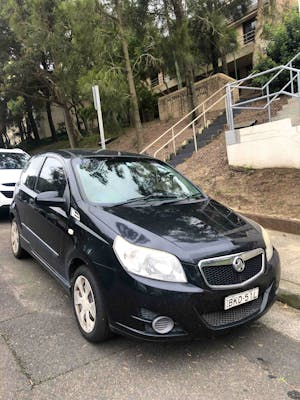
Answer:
(9, 195)
(219, 272)
(225, 274)
(221, 318)
(8, 184)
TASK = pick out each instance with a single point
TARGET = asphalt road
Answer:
(43, 356)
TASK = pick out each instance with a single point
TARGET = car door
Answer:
(49, 225)
(25, 195)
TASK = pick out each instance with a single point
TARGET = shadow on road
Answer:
(4, 216)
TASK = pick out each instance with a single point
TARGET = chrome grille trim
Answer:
(228, 260)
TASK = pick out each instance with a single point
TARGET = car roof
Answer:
(80, 153)
(11, 150)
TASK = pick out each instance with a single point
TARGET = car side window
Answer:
(52, 177)
(30, 173)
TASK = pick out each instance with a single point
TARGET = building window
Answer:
(249, 31)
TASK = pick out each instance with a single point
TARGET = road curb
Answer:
(289, 293)
(288, 225)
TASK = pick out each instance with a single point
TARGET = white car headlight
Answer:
(268, 243)
(149, 263)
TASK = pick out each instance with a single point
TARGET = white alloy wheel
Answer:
(15, 237)
(84, 303)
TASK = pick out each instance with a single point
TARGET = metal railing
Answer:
(288, 89)
(203, 108)
(249, 36)
(174, 135)
(154, 82)
(199, 122)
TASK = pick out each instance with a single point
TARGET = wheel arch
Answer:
(74, 264)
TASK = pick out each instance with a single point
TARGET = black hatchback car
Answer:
(141, 250)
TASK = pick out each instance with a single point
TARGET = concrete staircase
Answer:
(290, 110)
(207, 135)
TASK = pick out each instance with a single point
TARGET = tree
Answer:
(43, 31)
(117, 15)
(283, 44)
(212, 37)
(176, 35)
(266, 12)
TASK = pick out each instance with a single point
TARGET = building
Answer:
(239, 63)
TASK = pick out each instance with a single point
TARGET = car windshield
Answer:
(13, 160)
(118, 181)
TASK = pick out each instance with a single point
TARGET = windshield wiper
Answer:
(149, 197)
(188, 197)
(192, 196)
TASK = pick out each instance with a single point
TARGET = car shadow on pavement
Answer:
(4, 216)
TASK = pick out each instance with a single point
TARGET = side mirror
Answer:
(50, 199)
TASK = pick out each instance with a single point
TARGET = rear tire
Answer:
(16, 248)
(88, 306)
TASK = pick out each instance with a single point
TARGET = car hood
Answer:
(9, 175)
(193, 230)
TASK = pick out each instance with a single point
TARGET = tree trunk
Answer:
(77, 118)
(60, 99)
(214, 58)
(190, 90)
(169, 24)
(181, 27)
(21, 130)
(70, 127)
(1, 138)
(2, 132)
(50, 121)
(6, 139)
(31, 119)
(130, 79)
(259, 44)
(178, 74)
(224, 64)
(78, 135)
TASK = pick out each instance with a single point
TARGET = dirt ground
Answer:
(267, 191)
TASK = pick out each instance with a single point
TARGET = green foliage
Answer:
(284, 44)
(114, 97)
(148, 102)
(285, 39)
(212, 36)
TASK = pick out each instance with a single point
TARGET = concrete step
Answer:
(290, 110)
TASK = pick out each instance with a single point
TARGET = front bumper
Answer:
(196, 311)
(4, 200)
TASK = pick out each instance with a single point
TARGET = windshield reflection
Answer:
(120, 180)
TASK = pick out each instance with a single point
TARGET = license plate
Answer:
(240, 298)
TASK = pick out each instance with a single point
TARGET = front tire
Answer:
(88, 306)
(16, 248)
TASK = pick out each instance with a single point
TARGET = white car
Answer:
(12, 162)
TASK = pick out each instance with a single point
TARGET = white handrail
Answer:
(192, 123)
(182, 119)
(271, 97)
(187, 126)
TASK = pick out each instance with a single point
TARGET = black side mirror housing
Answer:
(50, 199)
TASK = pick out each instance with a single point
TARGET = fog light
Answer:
(162, 325)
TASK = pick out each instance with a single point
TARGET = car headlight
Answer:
(149, 263)
(268, 243)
